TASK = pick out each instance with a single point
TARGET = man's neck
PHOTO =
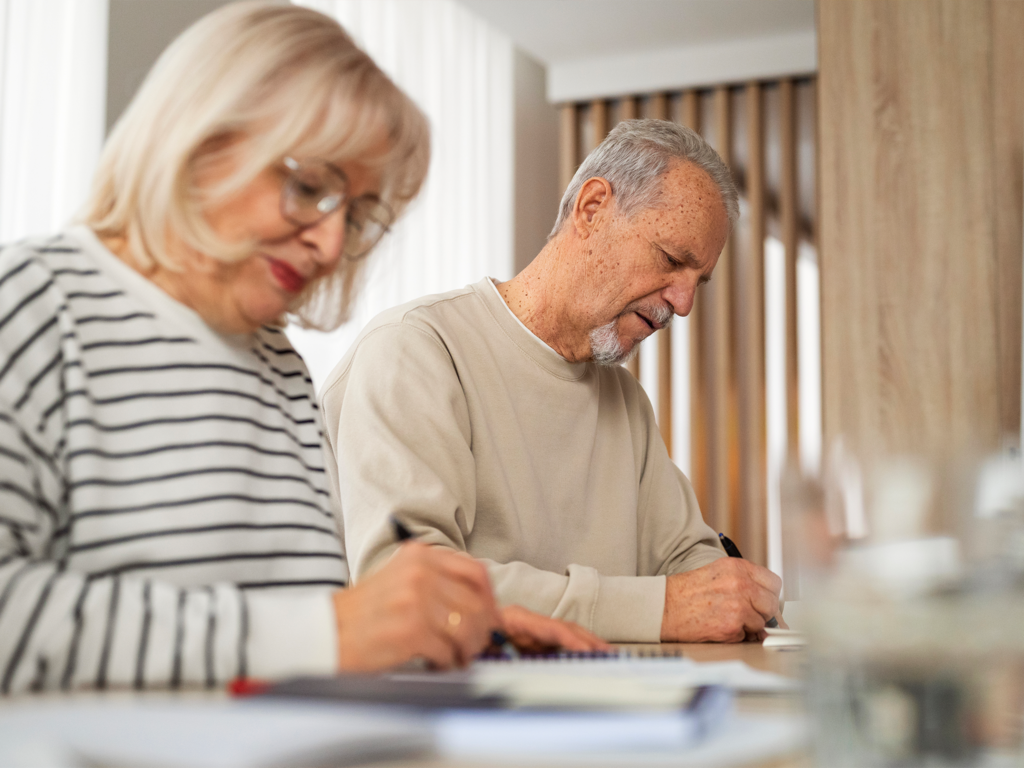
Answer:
(541, 297)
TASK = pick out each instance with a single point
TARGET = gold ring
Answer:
(454, 619)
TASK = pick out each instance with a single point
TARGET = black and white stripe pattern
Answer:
(155, 480)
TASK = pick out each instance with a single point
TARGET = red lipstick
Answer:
(286, 277)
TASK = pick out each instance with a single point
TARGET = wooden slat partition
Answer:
(727, 327)
(750, 358)
(627, 108)
(717, 358)
(700, 440)
(657, 109)
(568, 144)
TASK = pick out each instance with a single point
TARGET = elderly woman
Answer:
(165, 514)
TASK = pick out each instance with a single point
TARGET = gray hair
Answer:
(633, 158)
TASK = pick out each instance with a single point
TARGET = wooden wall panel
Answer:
(912, 300)
(788, 212)
(1008, 149)
(568, 145)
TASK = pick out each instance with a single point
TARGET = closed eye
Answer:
(671, 260)
(687, 261)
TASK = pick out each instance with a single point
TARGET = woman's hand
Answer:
(425, 602)
(533, 632)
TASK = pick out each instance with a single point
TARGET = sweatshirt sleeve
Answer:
(672, 535)
(401, 440)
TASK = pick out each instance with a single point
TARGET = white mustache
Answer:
(658, 313)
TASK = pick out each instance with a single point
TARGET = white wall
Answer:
(52, 77)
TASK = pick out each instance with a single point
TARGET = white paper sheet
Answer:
(657, 672)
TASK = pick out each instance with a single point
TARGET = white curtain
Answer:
(459, 71)
(53, 86)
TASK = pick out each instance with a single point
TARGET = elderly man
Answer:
(497, 419)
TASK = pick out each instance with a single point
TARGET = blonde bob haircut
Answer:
(252, 83)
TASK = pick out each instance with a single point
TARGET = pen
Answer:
(733, 551)
(401, 532)
(498, 637)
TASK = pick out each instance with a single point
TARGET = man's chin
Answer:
(613, 351)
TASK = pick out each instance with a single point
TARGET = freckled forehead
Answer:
(691, 205)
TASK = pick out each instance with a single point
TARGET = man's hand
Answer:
(726, 601)
(533, 632)
(425, 602)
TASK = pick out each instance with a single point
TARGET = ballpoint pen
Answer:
(498, 638)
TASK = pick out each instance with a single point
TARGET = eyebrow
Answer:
(689, 260)
(686, 256)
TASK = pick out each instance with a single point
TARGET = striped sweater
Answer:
(165, 517)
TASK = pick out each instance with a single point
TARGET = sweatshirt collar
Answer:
(531, 345)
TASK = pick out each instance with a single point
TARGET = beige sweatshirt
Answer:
(450, 414)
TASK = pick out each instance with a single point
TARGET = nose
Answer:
(680, 293)
(326, 238)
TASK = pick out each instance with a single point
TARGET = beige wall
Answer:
(537, 189)
(921, 133)
(138, 32)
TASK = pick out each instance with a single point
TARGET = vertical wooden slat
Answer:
(664, 337)
(598, 122)
(627, 108)
(788, 226)
(717, 358)
(657, 109)
(750, 369)
(689, 115)
(568, 151)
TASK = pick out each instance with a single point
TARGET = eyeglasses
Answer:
(315, 189)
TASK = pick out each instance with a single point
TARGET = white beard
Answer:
(605, 346)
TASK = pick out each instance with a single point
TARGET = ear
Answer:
(593, 203)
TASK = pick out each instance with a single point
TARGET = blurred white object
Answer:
(844, 503)
(902, 491)
(904, 569)
(784, 638)
(1000, 487)
(184, 733)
